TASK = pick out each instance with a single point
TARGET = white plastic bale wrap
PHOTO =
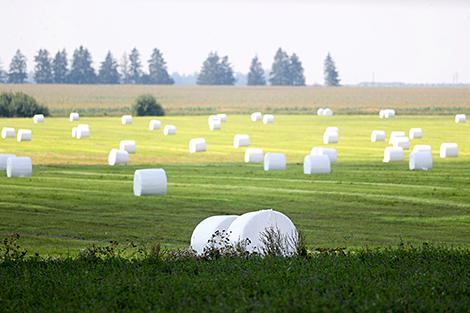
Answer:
(274, 161)
(128, 145)
(317, 164)
(149, 182)
(215, 124)
(330, 137)
(251, 225)
(207, 228)
(83, 132)
(403, 142)
(197, 145)
(416, 133)
(320, 111)
(268, 119)
(19, 167)
(155, 124)
(212, 118)
(382, 113)
(377, 135)
(118, 157)
(420, 161)
(460, 118)
(169, 130)
(254, 155)
(8, 132)
(394, 154)
(74, 117)
(332, 129)
(422, 148)
(449, 150)
(24, 135)
(396, 134)
(222, 117)
(126, 119)
(256, 116)
(38, 118)
(74, 131)
(389, 113)
(327, 112)
(3, 160)
(331, 153)
(241, 140)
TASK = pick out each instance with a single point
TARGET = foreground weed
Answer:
(11, 250)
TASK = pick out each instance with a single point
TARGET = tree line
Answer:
(285, 71)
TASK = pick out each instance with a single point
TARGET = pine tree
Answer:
(17, 73)
(297, 71)
(215, 71)
(331, 74)
(124, 69)
(3, 74)
(157, 70)
(256, 74)
(280, 74)
(108, 73)
(82, 72)
(225, 72)
(43, 68)
(59, 67)
(135, 68)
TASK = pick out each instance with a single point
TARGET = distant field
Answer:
(95, 100)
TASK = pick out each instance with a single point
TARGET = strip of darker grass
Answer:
(379, 280)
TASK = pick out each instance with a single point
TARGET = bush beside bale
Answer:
(205, 230)
(20, 105)
(147, 105)
(148, 182)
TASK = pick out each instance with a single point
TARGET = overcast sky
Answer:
(410, 41)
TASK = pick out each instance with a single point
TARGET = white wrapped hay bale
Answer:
(19, 167)
(205, 230)
(127, 145)
(449, 150)
(416, 133)
(327, 112)
(331, 153)
(274, 162)
(116, 156)
(403, 142)
(74, 117)
(241, 140)
(126, 119)
(422, 148)
(74, 131)
(212, 118)
(256, 116)
(332, 129)
(155, 124)
(377, 135)
(420, 161)
(169, 130)
(215, 124)
(197, 145)
(24, 135)
(394, 135)
(389, 113)
(222, 117)
(394, 154)
(3, 160)
(382, 114)
(330, 137)
(460, 118)
(251, 225)
(38, 118)
(268, 119)
(254, 155)
(320, 111)
(8, 132)
(317, 164)
(86, 126)
(150, 182)
(83, 132)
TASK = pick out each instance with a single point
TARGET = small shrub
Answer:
(20, 105)
(147, 105)
(11, 250)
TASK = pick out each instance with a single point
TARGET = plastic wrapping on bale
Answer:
(320, 111)
(332, 129)
(416, 133)
(268, 118)
(394, 154)
(449, 150)
(127, 145)
(205, 230)
(327, 112)
(403, 142)
(74, 117)
(274, 161)
(254, 155)
(8, 132)
(83, 132)
(74, 131)
(126, 119)
(3, 160)
(317, 164)
(460, 118)
(396, 134)
(330, 137)
(251, 225)
(330, 152)
(382, 114)
(422, 148)
(24, 135)
(240, 140)
(215, 124)
(197, 145)
(155, 124)
(222, 117)
(420, 160)
(212, 118)
(118, 157)
(389, 113)
(38, 118)
(256, 116)
(169, 130)
(149, 182)
(377, 135)
(19, 167)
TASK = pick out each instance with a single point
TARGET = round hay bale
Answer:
(394, 154)
(389, 113)
(251, 226)
(416, 133)
(222, 117)
(38, 118)
(74, 117)
(169, 130)
(254, 155)
(118, 157)
(19, 167)
(150, 182)
(449, 150)
(332, 129)
(268, 118)
(330, 152)
(460, 118)
(395, 134)
(422, 148)
(155, 124)
(240, 140)
(274, 162)
(8, 132)
(24, 135)
(420, 161)
(403, 142)
(330, 137)
(382, 113)
(3, 160)
(212, 118)
(256, 116)
(83, 132)
(86, 126)
(127, 145)
(126, 119)
(206, 230)
(197, 145)
(215, 124)
(327, 112)
(320, 111)
(377, 135)
(317, 164)
(74, 131)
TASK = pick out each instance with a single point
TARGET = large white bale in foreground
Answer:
(416, 133)
(19, 167)
(197, 145)
(24, 135)
(449, 150)
(222, 117)
(38, 118)
(256, 116)
(215, 124)
(317, 164)
(460, 118)
(396, 134)
(320, 111)
(241, 140)
(394, 154)
(268, 118)
(74, 117)
(403, 142)
(254, 155)
(330, 152)
(330, 137)
(274, 161)
(155, 124)
(83, 132)
(150, 182)
(422, 148)
(251, 225)
(169, 130)
(420, 161)
(3, 160)
(327, 112)
(8, 132)
(377, 135)
(118, 157)
(205, 229)
(126, 119)
(127, 145)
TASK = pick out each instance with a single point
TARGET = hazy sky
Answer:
(409, 41)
